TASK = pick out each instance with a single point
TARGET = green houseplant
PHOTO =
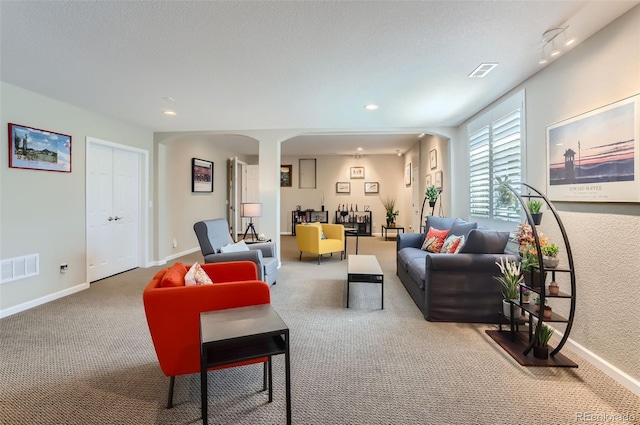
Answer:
(510, 279)
(389, 206)
(541, 347)
(550, 255)
(534, 207)
(432, 194)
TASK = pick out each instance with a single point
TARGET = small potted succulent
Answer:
(546, 311)
(540, 347)
(550, 255)
(534, 208)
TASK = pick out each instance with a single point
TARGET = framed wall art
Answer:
(595, 156)
(371, 187)
(357, 172)
(343, 187)
(407, 174)
(438, 182)
(433, 159)
(285, 175)
(307, 173)
(427, 180)
(201, 175)
(35, 149)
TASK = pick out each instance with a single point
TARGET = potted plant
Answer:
(534, 208)
(389, 206)
(506, 198)
(529, 265)
(432, 194)
(554, 289)
(540, 347)
(510, 279)
(546, 310)
(550, 255)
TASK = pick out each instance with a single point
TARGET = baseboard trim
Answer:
(613, 372)
(42, 300)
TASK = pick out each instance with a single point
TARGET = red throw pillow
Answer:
(434, 240)
(174, 276)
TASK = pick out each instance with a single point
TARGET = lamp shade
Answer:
(251, 210)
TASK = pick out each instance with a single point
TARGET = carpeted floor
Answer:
(88, 359)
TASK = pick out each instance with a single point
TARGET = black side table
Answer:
(238, 334)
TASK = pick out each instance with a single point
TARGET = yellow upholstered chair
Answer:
(309, 238)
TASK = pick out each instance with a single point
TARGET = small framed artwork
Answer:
(357, 172)
(371, 187)
(438, 180)
(427, 180)
(285, 175)
(343, 187)
(433, 159)
(35, 149)
(201, 175)
(407, 175)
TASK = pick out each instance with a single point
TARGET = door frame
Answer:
(143, 201)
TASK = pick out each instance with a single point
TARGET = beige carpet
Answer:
(88, 359)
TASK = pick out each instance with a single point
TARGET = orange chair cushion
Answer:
(174, 277)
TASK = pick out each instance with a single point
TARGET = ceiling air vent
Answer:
(482, 70)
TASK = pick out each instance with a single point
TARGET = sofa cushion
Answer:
(452, 244)
(434, 240)
(462, 228)
(485, 242)
(416, 269)
(235, 247)
(439, 222)
(406, 255)
(174, 276)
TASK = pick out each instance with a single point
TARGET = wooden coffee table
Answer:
(364, 268)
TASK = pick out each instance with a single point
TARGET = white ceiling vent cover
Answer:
(20, 268)
(482, 70)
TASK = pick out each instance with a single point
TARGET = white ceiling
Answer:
(307, 65)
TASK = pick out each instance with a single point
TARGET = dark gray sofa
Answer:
(454, 287)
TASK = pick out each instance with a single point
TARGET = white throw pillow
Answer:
(235, 247)
(197, 276)
(190, 278)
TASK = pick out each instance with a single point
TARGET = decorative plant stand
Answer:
(519, 344)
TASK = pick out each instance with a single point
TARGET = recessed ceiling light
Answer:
(359, 149)
(483, 69)
(371, 107)
(421, 135)
(170, 113)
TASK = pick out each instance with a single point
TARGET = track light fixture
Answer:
(549, 38)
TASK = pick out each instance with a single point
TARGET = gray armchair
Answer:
(214, 234)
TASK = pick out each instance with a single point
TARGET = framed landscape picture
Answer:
(438, 182)
(371, 187)
(343, 187)
(433, 159)
(595, 156)
(407, 175)
(35, 149)
(201, 175)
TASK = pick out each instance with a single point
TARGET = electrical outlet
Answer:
(175, 243)
(63, 268)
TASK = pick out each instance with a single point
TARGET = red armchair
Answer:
(173, 312)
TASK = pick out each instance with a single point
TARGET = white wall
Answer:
(44, 212)
(605, 238)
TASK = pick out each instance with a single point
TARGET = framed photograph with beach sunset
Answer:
(594, 157)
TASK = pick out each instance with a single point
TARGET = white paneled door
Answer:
(113, 210)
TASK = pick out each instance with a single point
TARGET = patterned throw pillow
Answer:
(434, 240)
(197, 276)
(452, 244)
